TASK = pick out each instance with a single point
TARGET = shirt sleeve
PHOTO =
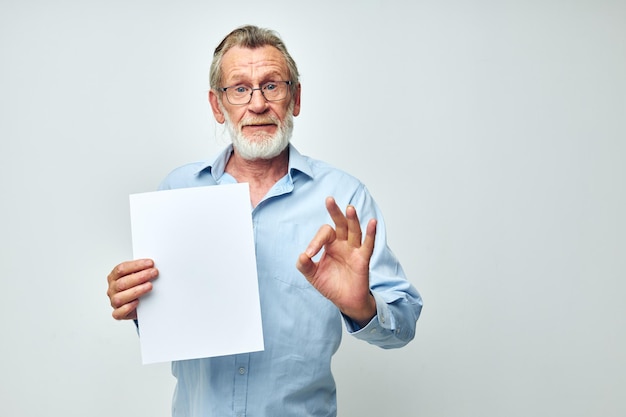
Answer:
(392, 327)
(398, 303)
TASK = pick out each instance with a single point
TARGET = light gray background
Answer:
(492, 134)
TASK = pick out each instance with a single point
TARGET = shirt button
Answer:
(242, 371)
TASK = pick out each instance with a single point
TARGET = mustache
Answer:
(259, 120)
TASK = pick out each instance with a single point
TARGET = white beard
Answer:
(262, 145)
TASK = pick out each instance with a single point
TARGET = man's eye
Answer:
(240, 89)
(270, 86)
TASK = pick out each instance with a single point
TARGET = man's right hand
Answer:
(128, 281)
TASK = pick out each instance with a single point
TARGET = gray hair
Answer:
(250, 37)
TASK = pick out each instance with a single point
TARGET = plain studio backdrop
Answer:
(492, 134)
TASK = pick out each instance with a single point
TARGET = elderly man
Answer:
(312, 277)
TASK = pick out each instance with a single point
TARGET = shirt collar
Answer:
(216, 168)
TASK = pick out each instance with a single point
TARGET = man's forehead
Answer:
(266, 58)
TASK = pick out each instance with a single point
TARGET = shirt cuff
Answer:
(379, 324)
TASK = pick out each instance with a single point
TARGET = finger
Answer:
(126, 312)
(130, 295)
(341, 224)
(132, 280)
(354, 227)
(129, 267)
(370, 238)
(324, 236)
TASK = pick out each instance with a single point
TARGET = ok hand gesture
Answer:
(342, 272)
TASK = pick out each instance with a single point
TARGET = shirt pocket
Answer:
(291, 240)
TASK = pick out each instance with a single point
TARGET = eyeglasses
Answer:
(239, 95)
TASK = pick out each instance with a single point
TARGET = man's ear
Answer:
(215, 107)
(296, 104)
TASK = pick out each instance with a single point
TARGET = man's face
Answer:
(256, 127)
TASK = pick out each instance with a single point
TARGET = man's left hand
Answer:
(342, 272)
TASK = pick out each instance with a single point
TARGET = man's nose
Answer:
(258, 103)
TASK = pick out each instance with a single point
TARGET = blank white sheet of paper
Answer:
(205, 301)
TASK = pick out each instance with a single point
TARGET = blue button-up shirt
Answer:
(301, 328)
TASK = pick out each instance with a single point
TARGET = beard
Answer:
(261, 145)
